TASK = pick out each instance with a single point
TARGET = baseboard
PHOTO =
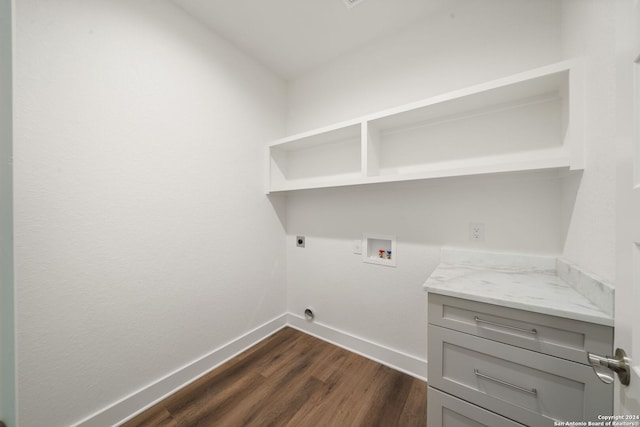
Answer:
(137, 402)
(397, 360)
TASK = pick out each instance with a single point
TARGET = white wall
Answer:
(143, 239)
(7, 380)
(466, 43)
(387, 305)
(588, 32)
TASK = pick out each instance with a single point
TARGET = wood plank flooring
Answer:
(293, 379)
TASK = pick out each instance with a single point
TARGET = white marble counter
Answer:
(522, 282)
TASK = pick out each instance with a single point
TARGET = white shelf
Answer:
(528, 121)
(322, 158)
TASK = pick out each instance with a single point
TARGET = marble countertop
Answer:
(527, 283)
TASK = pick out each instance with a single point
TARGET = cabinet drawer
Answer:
(444, 410)
(526, 386)
(555, 336)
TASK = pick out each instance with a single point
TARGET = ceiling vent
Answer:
(350, 3)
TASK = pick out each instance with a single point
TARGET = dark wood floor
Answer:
(293, 379)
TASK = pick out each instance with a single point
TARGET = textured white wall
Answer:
(588, 32)
(387, 305)
(466, 43)
(143, 237)
(7, 380)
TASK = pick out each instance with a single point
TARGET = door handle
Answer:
(605, 366)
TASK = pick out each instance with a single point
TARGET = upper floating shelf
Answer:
(527, 121)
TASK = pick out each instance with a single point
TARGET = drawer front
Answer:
(526, 386)
(444, 410)
(555, 336)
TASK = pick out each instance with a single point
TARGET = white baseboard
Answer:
(397, 360)
(137, 402)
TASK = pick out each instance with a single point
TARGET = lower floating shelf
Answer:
(523, 162)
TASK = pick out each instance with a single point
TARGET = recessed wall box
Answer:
(379, 249)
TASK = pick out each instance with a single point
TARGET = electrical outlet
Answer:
(476, 232)
(300, 241)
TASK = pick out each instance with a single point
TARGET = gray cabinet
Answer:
(526, 367)
(449, 411)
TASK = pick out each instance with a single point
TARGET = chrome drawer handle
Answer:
(532, 391)
(528, 331)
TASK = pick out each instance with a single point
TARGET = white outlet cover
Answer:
(476, 232)
(357, 247)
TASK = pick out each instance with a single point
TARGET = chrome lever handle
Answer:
(500, 325)
(532, 391)
(604, 366)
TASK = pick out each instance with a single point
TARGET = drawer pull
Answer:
(528, 331)
(532, 391)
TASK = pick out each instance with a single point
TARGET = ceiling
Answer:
(292, 37)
